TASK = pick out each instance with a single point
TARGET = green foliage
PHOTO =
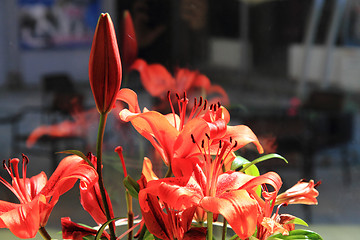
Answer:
(102, 228)
(132, 186)
(298, 234)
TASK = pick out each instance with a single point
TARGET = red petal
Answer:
(196, 129)
(178, 193)
(156, 128)
(130, 97)
(238, 208)
(36, 184)
(23, 220)
(153, 215)
(155, 78)
(231, 181)
(71, 230)
(243, 135)
(69, 170)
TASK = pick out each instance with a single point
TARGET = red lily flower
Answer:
(105, 71)
(37, 195)
(157, 81)
(170, 134)
(90, 198)
(201, 183)
(161, 220)
(71, 230)
(129, 47)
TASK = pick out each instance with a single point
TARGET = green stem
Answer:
(99, 143)
(224, 230)
(44, 233)
(130, 213)
(209, 225)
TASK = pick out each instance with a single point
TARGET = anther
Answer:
(192, 138)
(200, 101)
(177, 96)
(220, 144)
(205, 104)
(168, 94)
(25, 159)
(207, 135)
(202, 143)
(317, 184)
(235, 144)
(230, 139)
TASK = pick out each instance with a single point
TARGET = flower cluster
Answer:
(205, 181)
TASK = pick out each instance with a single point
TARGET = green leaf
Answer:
(102, 228)
(238, 163)
(263, 158)
(298, 234)
(132, 186)
(90, 237)
(78, 153)
(298, 221)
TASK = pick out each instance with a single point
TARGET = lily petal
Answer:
(237, 207)
(24, 219)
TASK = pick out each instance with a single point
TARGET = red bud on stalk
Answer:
(129, 46)
(105, 71)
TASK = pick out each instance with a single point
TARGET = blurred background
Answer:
(290, 70)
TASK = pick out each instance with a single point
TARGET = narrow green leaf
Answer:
(263, 158)
(78, 153)
(132, 186)
(298, 234)
(90, 237)
(102, 228)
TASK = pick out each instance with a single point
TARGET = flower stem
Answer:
(44, 233)
(130, 213)
(224, 230)
(209, 225)
(99, 143)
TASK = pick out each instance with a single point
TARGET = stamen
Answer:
(235, 144)
(230, 139)
(219, 105)
(220, 144)
(25, 163)
(202, 143)
(172, 108)
(317, 184)
(177, 96)
(119, 151)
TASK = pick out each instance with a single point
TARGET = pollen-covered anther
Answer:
(192, 138)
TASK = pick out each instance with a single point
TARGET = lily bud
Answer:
(129, 46)
(301, 193)
(105, 71)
